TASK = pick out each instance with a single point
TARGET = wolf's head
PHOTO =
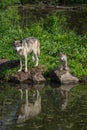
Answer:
(17, 45)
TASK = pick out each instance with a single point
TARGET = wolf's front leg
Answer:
(36, 61)
(26, 69)
(61, 66)
(20, 65)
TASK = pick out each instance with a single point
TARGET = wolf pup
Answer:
(27, 46)
(63, 61)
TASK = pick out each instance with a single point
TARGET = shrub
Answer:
(54, 38)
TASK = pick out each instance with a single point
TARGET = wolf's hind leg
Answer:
(36, 61)
(33, 59)
(26, 69)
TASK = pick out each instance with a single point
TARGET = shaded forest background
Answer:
(5, 3)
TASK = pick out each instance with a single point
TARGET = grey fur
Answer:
(27, 46)
(63, 61)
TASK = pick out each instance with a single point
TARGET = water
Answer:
(43, 107)
(76, 17)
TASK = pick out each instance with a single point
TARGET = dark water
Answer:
(76, 17)
(49, 107)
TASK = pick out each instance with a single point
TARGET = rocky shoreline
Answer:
(35, 75)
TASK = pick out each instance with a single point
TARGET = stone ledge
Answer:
(32, 76)
(63, 77)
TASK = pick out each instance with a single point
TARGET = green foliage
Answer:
(54, 38)
(5, 3)
(8, 32)
(8, 18)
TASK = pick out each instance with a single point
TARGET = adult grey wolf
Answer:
(27, 46)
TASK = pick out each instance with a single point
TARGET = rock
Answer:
(68, 78)
(21, 77)
(5, 64)
(63, 77)
(37, 76)
(3, 61)
(8, 64)
(32, 76)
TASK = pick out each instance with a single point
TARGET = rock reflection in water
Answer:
(29, 109)
(58, 107)
(58, 97)
(64, 90)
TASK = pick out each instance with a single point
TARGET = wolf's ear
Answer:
(20, 41)
(14, 40)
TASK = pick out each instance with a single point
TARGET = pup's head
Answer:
(62, 56)
(17, 45)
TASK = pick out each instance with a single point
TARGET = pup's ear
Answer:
(60, 53)
(13, 42)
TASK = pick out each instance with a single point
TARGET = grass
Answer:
(54, 38)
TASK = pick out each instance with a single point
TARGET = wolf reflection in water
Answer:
(29, 109)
